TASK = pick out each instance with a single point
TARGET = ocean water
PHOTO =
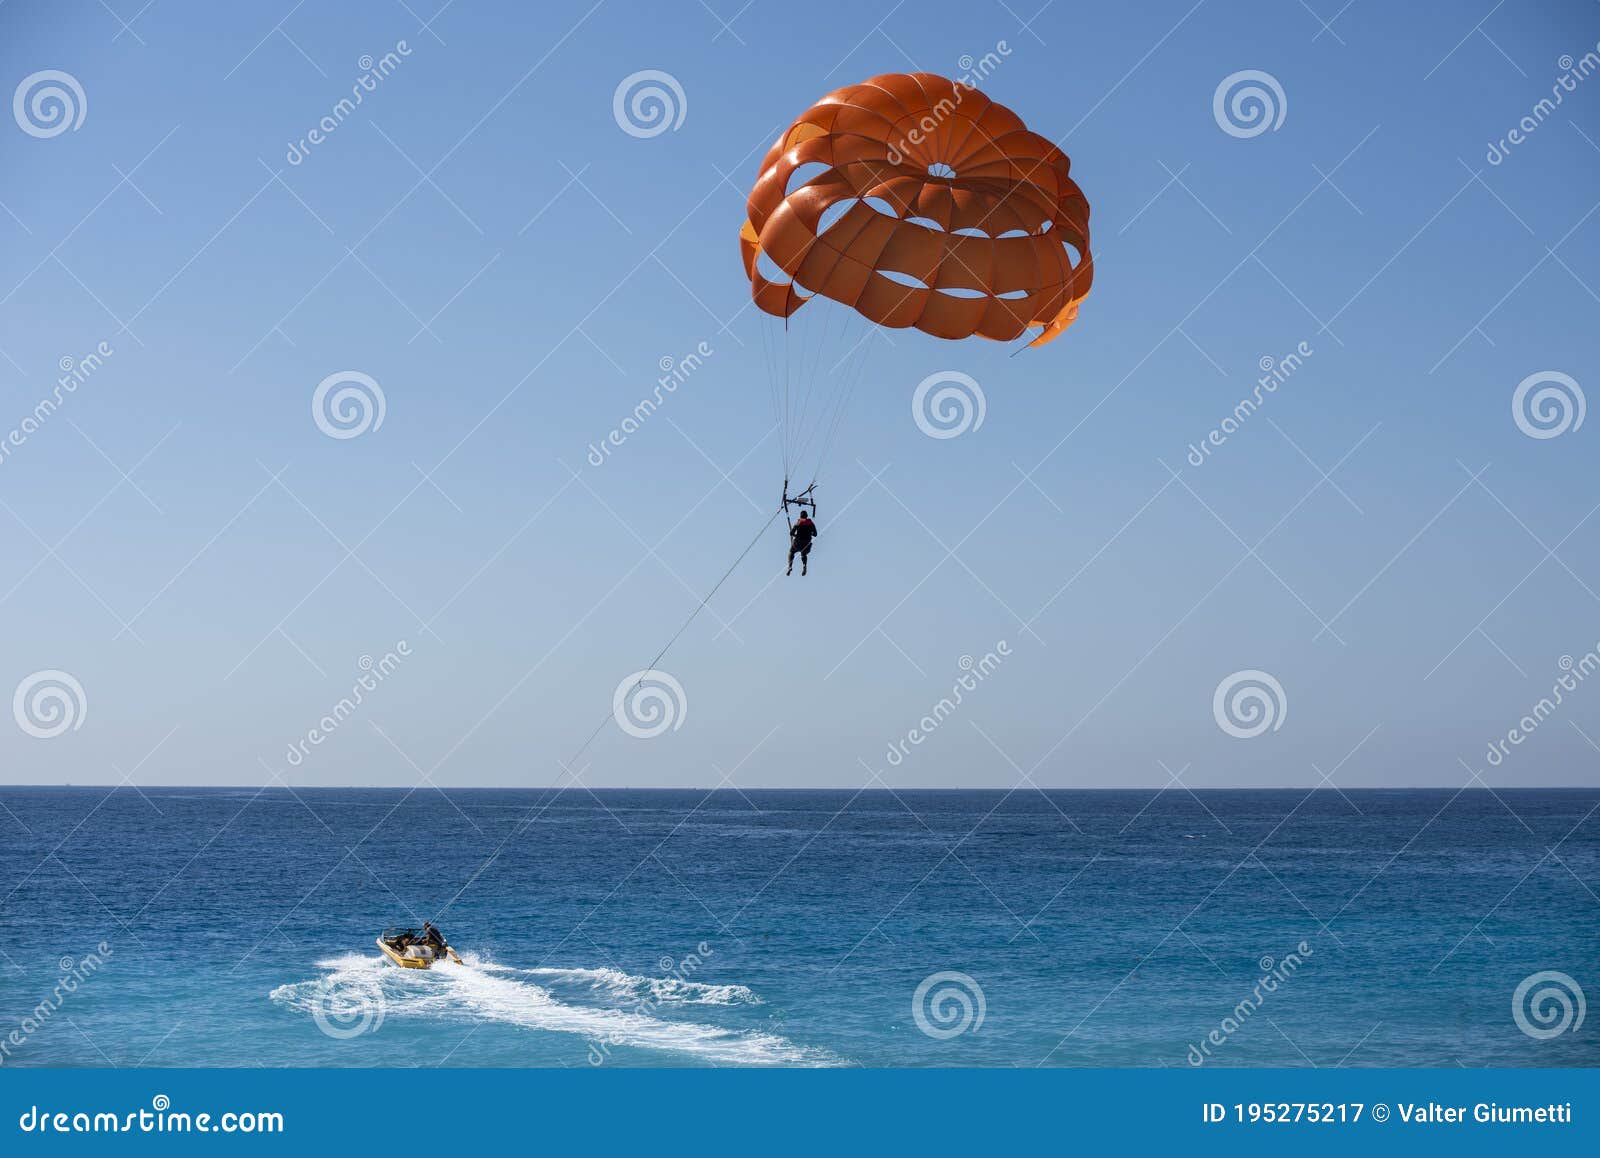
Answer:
(686, 928)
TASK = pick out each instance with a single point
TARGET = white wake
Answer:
(626, 987)
(482, 991)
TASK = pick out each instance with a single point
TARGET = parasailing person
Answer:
(800, 537)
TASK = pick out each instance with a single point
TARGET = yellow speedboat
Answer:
(416, 948)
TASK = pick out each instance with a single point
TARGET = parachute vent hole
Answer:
(969, 231)
(926, 223)
(804, 174)
(771, 270)
(957, 291)
(882, 206)
(1073, 253)
(940, 169)
(905, 279)
(830, 215)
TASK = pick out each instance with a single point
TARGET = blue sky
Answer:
(483, 240)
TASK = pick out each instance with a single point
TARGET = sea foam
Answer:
(490, 993)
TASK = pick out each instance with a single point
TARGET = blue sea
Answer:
(231, 927)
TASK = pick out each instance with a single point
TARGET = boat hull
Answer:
(401, 960)
(406, 962)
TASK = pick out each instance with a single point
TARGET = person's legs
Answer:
(790, 571)
(805, 558)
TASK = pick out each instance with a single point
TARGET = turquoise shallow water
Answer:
(795, 928)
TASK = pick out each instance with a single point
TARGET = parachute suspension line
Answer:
(790, 338)
(775, 347)
(815, 397)
(848, 370)
(854, 375)
(855, 370)
(827, 386)
(827, 414)
(693, 615)
(1024, 340)
(784, 420)
(809, 340)
(810, 383)
(771, 366)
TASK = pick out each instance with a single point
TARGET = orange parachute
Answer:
(937, 208)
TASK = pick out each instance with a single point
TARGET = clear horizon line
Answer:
(816, 788)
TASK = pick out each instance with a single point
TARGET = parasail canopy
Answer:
(932, 206)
